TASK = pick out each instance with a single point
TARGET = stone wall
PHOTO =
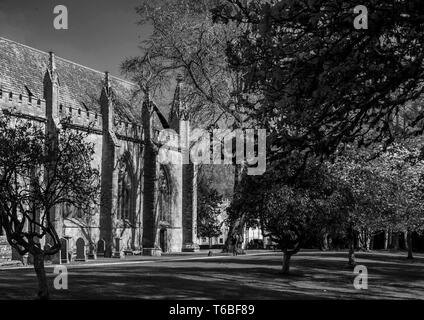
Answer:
(5, 250)
(57, 88)
(171, 160)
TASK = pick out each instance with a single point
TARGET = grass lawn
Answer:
(314, 275)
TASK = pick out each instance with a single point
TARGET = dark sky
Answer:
(101, 32)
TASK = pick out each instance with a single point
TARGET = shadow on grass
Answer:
(313, 276)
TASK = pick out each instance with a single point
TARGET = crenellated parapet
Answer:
(94, 121)
(31, 107)
(127, 130)
(22, 104)
(82, 118)
(26, 106)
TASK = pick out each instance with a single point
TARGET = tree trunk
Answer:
(351, 244)
(210, 242)
(43, 289)
(227, 244)
(239, 173)
(368, 243)
(409, 244)
(351, 254)
(395, 240)
(324, 246)
(359, 241)
(330, 243)
(405, 239)
(286, 263)
(386, 239)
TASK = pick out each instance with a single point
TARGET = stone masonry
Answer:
(42, 87)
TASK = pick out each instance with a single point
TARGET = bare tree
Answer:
(186, 41)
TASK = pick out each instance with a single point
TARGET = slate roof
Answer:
(22, 69)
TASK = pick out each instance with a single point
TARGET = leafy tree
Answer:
(386, 186)
(314, 81)
(38, 173)
(286, 209)
(284, 220)
(404, 165)
(208, 220)
(366, 196)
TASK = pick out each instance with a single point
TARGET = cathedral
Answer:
(42, 87)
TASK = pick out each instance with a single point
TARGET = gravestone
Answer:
(92, 252)
(64, 251)
(70, 252)
(81, 254)
(118, 253)
(101, 246)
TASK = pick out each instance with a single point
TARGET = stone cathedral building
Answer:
(42, 87)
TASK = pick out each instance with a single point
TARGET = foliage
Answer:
(209, 221)
(318, 86)
(38, 173)
(402, 164)
(286, 210)
(314, 81)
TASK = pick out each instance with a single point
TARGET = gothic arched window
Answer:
(164, 208)
(124, 196)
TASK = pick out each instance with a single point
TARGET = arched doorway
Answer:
(163, 240)
(164, 208)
